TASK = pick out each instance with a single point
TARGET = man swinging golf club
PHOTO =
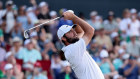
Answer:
(75, 39)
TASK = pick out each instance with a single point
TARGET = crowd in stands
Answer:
(115, 45)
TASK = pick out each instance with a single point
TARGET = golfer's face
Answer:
(72, 34)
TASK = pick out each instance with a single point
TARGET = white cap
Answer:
(121, 51)
(116, 76)
(8, 66)
(9, 2)
(53, 13)
(34, 33)
(8, 54)
(41, 4)
(125, 56)
(65, 63)
(123, 43)
(16, 39)
(98, 18)
(103, 54)
(133, 10)
(114, 34)
(29, 9)
(27, 41)
(93, 13)
(63, 30)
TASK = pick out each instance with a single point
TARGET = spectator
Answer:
(34, 4)
(49, 48)
(16, 46)
(56, 65)
(44, 14)
(67, 72)
(106, 66)
(110, 24)
(117, 62)
(9, 16)
(16, 67)
(17, 31)
(93, 50)
(123, 45)
(37, 73)
(34, 38)
(103, 40)
(133, 47)
(95, 21)
(23, 19)
(54, 25)
(29, 54)
(31, 15)
(9, 71)
(131, 70)
(42, 38)
(133, 12)
(114, 52)
(115, 38)
(125, 22)
(134, 26)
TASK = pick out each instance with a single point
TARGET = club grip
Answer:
(68, 11)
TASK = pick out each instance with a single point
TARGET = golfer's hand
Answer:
(68, 15)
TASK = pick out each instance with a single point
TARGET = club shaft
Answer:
(44, 23)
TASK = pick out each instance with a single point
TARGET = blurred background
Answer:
(115, 45)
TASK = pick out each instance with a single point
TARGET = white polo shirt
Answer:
(81, 62)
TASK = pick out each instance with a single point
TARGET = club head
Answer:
(26, 34)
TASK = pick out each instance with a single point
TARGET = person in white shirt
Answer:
(95, 20)
(134, 26)
(9, 16)
(75, 39)
(125, 22)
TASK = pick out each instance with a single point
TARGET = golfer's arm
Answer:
(79, 31)
(88, 30)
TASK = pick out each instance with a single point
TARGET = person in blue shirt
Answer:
(131, 70)
(106, 65)
(29, 54)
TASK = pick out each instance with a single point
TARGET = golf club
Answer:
(26, 32)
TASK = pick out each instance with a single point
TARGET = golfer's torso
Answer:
(85, 67)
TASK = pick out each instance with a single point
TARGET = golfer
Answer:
(75, 39)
